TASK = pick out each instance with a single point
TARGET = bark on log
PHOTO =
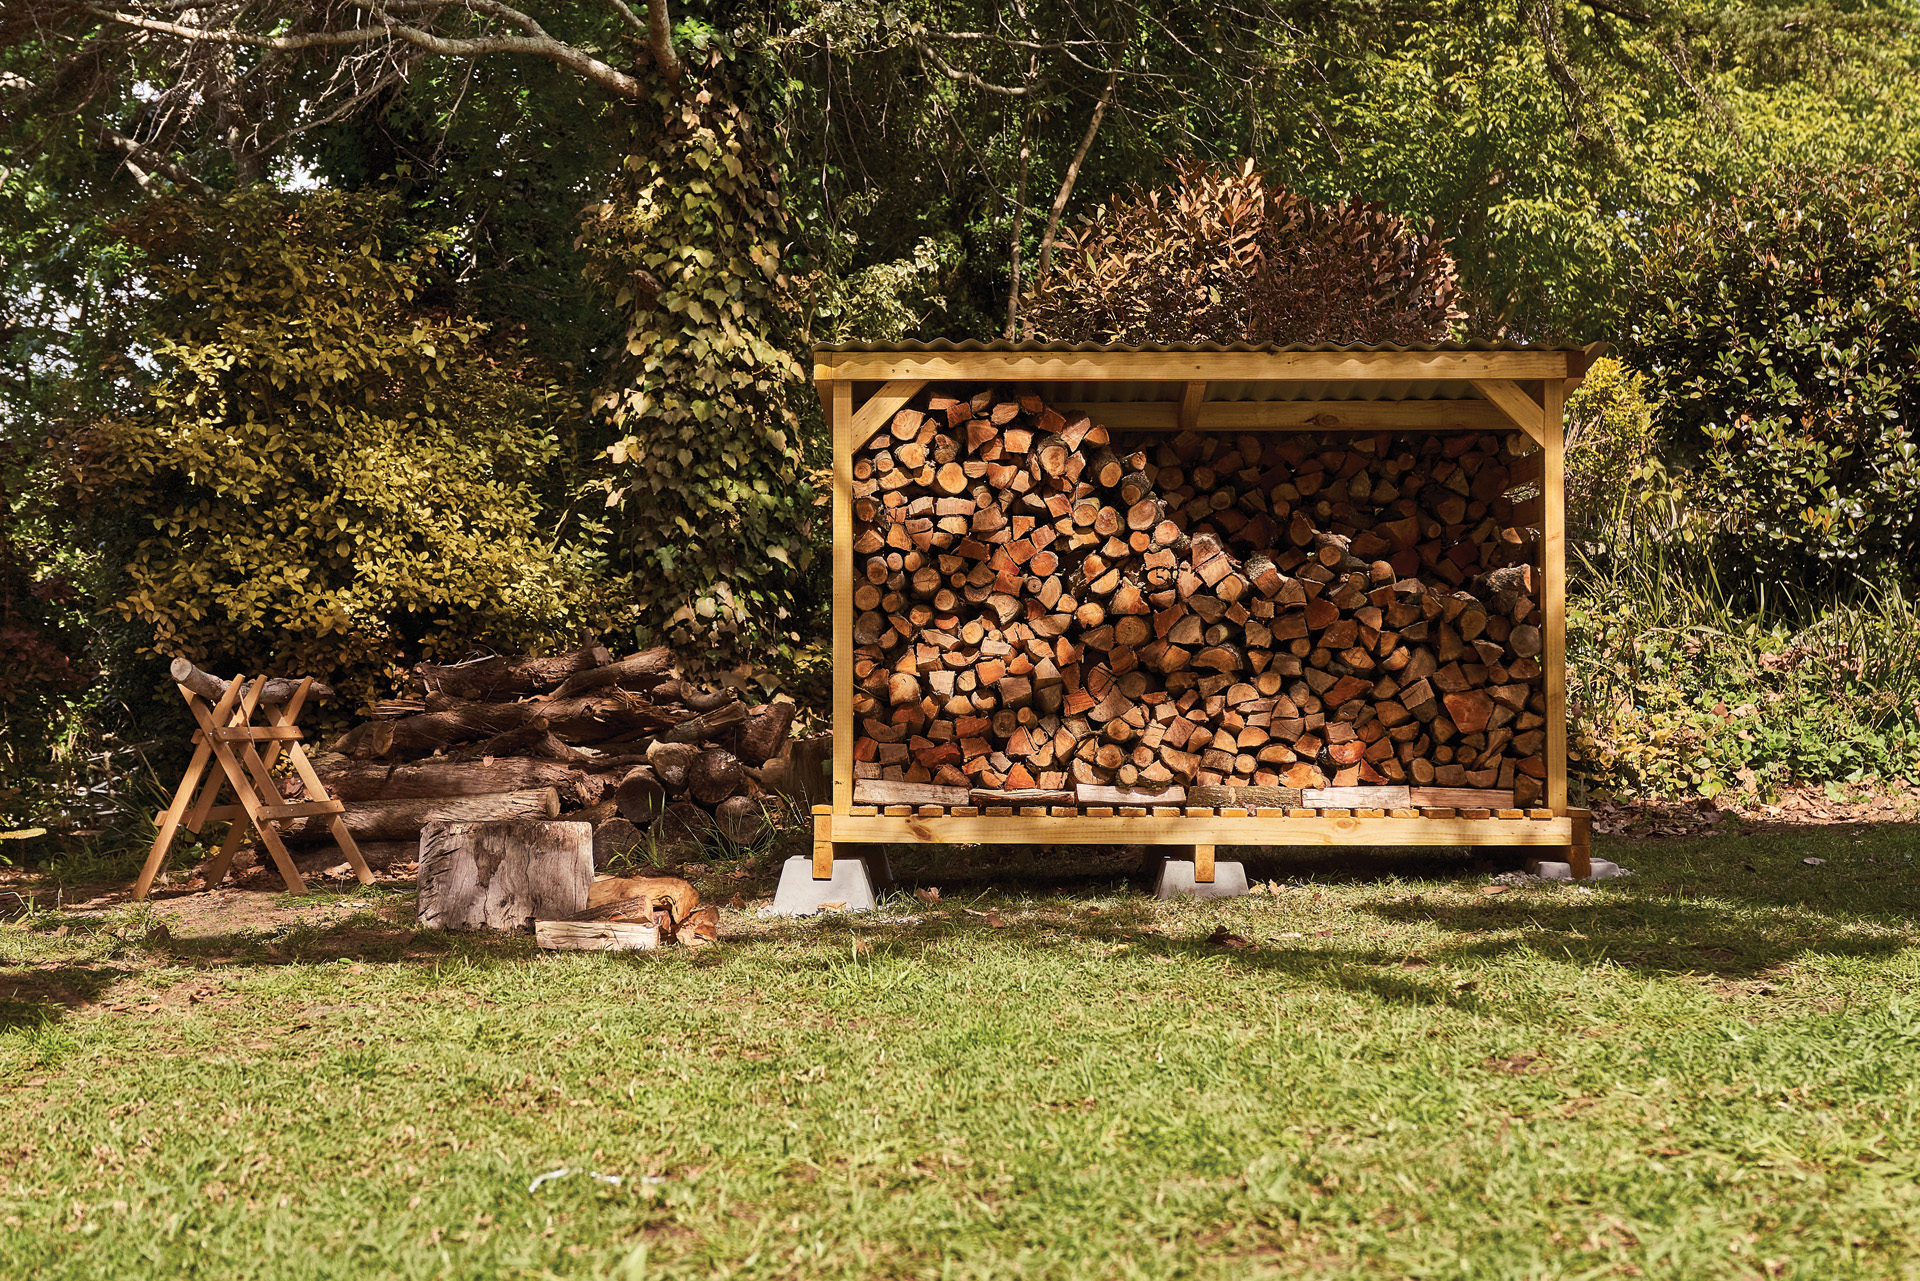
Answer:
(714, 775)
(742, 819)
(404, 820)
(484, 677)
(641, 671)
(705, 726)
(361, 782)
(641, 796)
(275, 692)
(765, 732)
(502, 875)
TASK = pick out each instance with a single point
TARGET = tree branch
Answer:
(138, 159)
(1073, 175)
(967, 77)
(540, 45)
(660, 40)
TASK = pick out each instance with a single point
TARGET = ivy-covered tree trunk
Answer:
(708, 471)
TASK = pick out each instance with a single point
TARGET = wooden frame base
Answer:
(1202, 831)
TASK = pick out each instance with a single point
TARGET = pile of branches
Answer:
(624, 744)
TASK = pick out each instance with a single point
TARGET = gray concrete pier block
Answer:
(800, 895)
(1176, 879)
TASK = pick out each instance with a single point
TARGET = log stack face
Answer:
(1042, 604)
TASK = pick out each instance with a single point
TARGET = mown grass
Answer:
(1707, 1070)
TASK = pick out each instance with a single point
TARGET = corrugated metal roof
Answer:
(1029, 347)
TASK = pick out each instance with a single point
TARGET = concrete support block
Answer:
(1176, 879)
(800, 895)
(1548, 869)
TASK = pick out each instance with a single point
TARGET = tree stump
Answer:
(502, 875)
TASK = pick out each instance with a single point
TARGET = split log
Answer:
(502, 875)
(669, 762)
(1243, 797)
(613, 898)
(597, 936)
(877, 792)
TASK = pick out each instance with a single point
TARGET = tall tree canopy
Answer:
(666, 202)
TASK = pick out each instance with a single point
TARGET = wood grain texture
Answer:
(1298, 415)
(596, 936)
(503, 875)
(1505, 395)
(843, 610)
(1553, 599)
(1177, 829)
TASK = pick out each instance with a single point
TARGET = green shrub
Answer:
(1678, 686)
(332, 474)
(1780, 327)
(1612, 457)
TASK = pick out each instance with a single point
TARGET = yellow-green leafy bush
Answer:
(1613, 460)
(332, 473)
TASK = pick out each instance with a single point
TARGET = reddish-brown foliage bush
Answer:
(1220, 256)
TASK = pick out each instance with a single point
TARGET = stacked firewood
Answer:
(625, 744)
(1042, 604)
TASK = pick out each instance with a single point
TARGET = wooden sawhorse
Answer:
(228, 737)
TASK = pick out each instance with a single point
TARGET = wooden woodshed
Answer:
(1198, 597)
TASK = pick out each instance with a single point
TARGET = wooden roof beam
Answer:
(1521, 408)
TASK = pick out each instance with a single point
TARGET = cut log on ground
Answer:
(503, 875)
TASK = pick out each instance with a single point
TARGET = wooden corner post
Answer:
(841, 398)
(1553, 598)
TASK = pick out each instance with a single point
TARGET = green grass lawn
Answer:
(1707, 1070)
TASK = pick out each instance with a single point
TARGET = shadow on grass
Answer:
(33, 998)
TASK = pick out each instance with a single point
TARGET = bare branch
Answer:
(1073, 175)
(538, 45)
(139, 160)
(968, 78)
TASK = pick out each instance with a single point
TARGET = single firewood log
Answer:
(493, 677)
(641, 796)
(714, 775)
(274, 691)
(502, 875)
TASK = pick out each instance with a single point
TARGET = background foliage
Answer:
(334, 472)
(618, 289)
(1779, 326)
